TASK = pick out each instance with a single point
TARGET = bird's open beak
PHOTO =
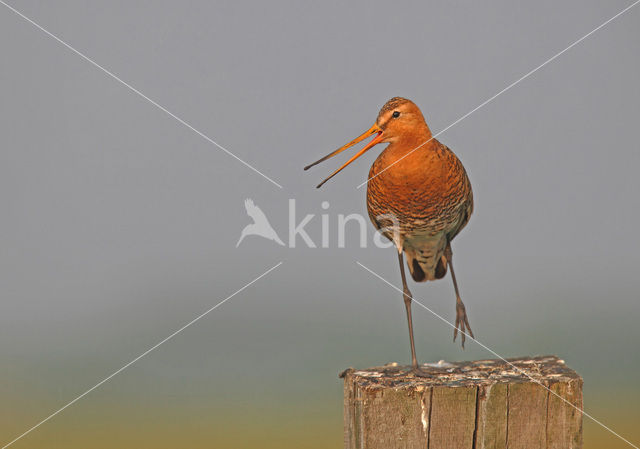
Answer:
(371, 131)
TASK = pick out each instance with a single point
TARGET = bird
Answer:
(260, 225)
(418, 196)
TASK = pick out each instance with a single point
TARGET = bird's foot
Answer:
(419, 372)
(462, 323)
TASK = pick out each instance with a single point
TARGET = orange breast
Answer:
(428, 191)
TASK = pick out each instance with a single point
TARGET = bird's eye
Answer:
(396, 114)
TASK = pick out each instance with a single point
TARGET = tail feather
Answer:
(417, 273)
(441, 268)
(425, 266)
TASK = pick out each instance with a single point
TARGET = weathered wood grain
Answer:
(491, 422)
(485, 404)
(526, 416)
(453, 415)
(566, 433)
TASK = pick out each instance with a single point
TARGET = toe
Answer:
(455, 329)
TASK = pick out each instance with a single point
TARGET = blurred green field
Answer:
(105, 420)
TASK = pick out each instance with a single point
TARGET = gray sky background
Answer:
(119, 224)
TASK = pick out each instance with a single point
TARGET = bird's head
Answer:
(399, 120)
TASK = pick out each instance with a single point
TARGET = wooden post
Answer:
(465, 405)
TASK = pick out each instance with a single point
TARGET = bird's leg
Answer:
(462, 322)
(406, 295)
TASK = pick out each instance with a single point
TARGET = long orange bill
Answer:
(371, 131)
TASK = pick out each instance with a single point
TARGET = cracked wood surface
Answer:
(480, 404)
